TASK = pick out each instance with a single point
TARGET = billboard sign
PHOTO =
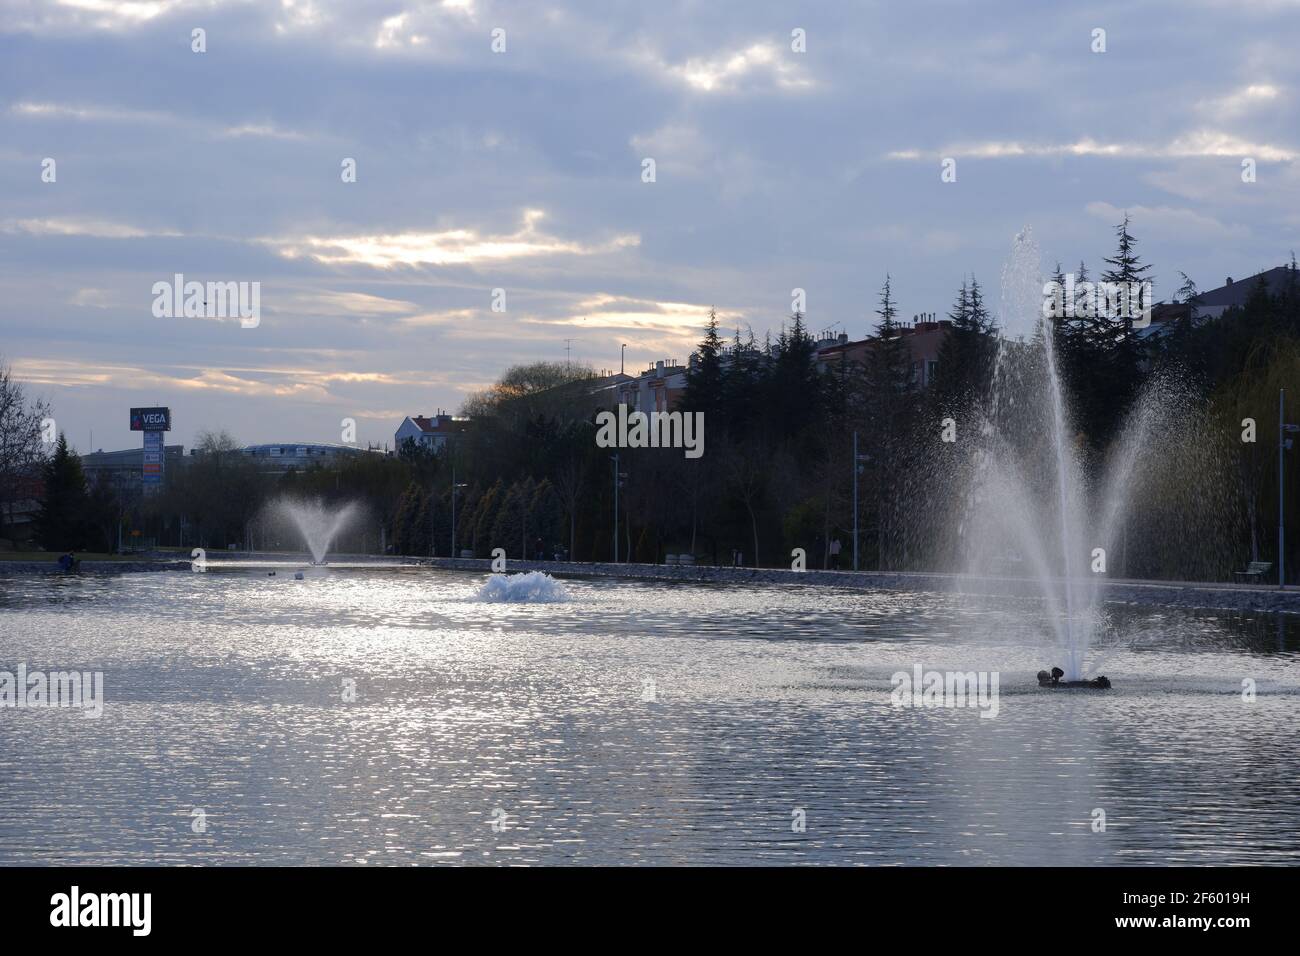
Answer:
(151, 469)
(151, 419)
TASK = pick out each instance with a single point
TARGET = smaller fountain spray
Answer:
(318, 525)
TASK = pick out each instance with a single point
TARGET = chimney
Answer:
(659, 369)
(1229, 282)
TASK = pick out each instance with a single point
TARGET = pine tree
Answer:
(404, 519)
(951, 380)
(793, 386)
(484, 518)
(890, 403)
(61, 521)
(548, 517)
(704, 376)
(507, 527)
(1125, 348)
(889, 362)
(968, 352)
(742, 386)
(1125, 270)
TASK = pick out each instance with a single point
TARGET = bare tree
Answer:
(748, 465)
(22, 427)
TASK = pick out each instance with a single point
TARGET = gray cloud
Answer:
(522, 171)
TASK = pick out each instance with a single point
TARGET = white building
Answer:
(434, 433)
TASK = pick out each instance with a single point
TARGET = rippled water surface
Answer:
(496, 732)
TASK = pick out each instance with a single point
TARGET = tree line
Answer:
(526, 474)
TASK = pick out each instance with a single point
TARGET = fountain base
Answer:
(1054, 680)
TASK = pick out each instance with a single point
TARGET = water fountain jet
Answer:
(317, 524)
(1031, 493)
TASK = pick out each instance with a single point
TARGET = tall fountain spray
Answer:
(1031, 510)
(317, 524)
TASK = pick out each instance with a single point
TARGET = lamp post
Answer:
(454, 488)
(857, 467)
(618, 480)
(614, 459)
(1283, 446)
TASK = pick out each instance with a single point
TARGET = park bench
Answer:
(1255, 570)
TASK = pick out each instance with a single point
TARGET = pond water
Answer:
(392, 716)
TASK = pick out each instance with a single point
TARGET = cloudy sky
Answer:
(522, 170)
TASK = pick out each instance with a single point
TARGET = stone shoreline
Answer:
(91, 567)
(1184, 594)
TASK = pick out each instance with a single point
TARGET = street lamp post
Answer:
(855, 500)
(1283, 446)
(615, 459)
(857, 466)
(454, 488)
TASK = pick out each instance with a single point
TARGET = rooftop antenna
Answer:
(568, 364)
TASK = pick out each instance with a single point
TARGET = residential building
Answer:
(923, 337)
(1212, 304)
(435, 434)
(657, 389)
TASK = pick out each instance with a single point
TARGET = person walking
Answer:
(835, 554)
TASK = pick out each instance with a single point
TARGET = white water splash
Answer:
(535, 587)
(1032, 510)
(317, 524)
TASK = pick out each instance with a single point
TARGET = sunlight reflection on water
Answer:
(225, 691)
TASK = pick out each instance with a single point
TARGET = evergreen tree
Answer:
(704, 377)
(889, 362)
(1125, 350)
(61, 521)
(968, 352)
(793, 386)
(548, 518)
(1126, 269)
(742, 387)
(485, 517)
(404, 520)
(890, 403)
(507, 526)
